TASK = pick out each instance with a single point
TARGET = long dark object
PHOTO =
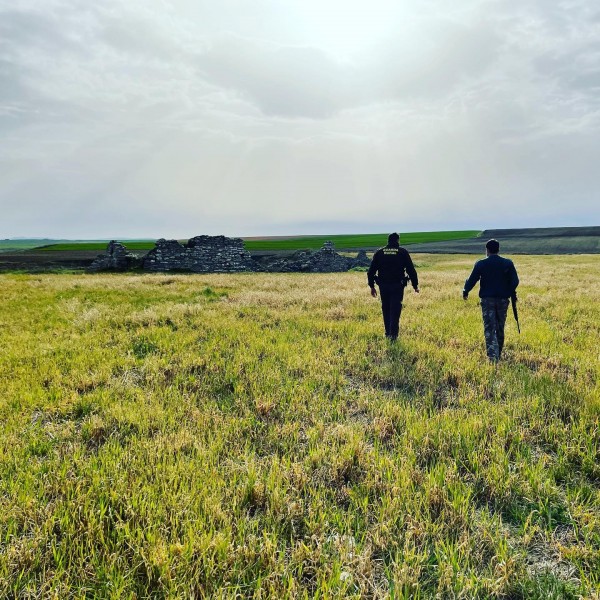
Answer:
(513, 300)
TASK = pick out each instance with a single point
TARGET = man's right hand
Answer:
(373, 292)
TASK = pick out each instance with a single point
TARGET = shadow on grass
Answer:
(401, 373)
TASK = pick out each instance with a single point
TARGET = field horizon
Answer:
(283, 243)
(541, 241)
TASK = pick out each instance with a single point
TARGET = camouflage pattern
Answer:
(494, 317)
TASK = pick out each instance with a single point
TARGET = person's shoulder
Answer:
(507, 261)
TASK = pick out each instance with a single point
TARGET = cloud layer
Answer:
(176, 118)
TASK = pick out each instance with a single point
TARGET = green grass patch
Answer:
(368, 240)
(96, 246)
(255, 436)
(24, 244)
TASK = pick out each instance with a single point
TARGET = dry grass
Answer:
(254, 436)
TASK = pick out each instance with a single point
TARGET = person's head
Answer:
(393, 239)
(492, 247)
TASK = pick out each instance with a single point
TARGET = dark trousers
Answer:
(494, 318)
(391, 307)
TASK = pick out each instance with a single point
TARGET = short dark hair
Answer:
(393, 238)
(493, 246)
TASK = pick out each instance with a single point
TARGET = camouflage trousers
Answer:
(494, 317)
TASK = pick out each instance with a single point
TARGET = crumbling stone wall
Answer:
(201, 254)
(361, 260)
(220, 254)
(116, 258)
(324, 260)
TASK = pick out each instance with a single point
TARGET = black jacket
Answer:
(497, 276)
(389, 265)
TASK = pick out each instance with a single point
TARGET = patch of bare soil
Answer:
(35, 261)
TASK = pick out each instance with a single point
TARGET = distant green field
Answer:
(369, 240)
(22, 244)
(99, 246)
(313, 242)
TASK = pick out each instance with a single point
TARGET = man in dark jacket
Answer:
(391, 268)
(498, 281)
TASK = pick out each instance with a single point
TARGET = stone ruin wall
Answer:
(201, 254)
(116, 258)
(324, 260)
(220, 254)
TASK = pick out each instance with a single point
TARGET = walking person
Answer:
(392, 268)
(498, 281)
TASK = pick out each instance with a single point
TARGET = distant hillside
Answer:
(95, 245)
(9, 245)
(43, 255)
(547, 240)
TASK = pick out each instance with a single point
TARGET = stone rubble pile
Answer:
(201, 254)
(220, 254)
(116, 258)
(324, 260)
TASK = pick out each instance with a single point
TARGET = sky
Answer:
(174, 118)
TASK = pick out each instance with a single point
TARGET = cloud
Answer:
(281, 80)
(307, 82)
(31, 28)
(145, 115)
(449, 55)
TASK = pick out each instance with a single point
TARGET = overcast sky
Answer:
(173, 118)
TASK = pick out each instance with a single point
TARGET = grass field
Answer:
(292, 243)
(543, 240)
(96, 246)
(374, 240)
(253, 436)
(22, 244)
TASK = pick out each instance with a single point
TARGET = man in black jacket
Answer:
(391, 268)
(498, 281)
